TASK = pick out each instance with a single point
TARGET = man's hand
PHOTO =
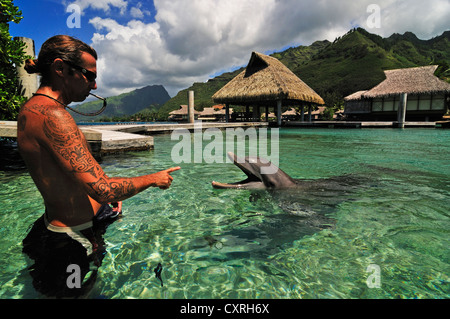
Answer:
(117, 207)
(163, 179)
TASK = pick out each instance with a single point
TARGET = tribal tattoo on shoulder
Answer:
(68, 141)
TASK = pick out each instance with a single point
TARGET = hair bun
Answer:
(31, 66)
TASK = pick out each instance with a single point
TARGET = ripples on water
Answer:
(242, 244)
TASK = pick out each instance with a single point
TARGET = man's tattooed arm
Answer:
(114, 189)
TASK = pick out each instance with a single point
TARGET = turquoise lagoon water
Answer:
(242, 244)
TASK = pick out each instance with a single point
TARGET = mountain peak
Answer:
(407, 36)
(150, 96)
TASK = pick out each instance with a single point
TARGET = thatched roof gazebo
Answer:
(266, 82)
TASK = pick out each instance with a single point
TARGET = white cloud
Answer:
(190, 40)
(104, 5)
(424, 18)
(137, 13)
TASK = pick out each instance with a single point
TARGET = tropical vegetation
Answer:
(12, 54)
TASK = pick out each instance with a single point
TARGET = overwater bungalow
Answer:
(293, 115)
(266, 82)
(427, 96)
(214, 113)
(181, 114)
(290, 115)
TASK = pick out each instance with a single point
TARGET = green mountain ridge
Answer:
(144, 100)
(350, 63)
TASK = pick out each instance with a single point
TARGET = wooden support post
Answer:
(267, 113)
(279, 112)
(227, 113)
(191, 107)
(309, 113)
(303, 113)
(256, 113)
(401, 113)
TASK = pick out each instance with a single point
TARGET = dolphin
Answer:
(297, 196)
(253, 167)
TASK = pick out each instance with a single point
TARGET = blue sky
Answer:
(178, 42)
(45, 18)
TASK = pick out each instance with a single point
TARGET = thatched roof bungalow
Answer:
(266, 82)
(181, 114)
(355, 96)
(293, 115)
(412, 81)
(427, 95)
(356, 103)
(214, 113)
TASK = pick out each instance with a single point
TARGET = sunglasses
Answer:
(89, 75)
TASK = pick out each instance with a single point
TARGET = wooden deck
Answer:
(101, 141)
(108, 139)
(167, 128)
(357, 124)
(443, 124)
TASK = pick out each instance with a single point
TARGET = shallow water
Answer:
(248, 244)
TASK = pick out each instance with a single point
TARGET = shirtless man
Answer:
(72, 183)
(75, 189)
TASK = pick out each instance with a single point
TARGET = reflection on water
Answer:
(391, 212)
